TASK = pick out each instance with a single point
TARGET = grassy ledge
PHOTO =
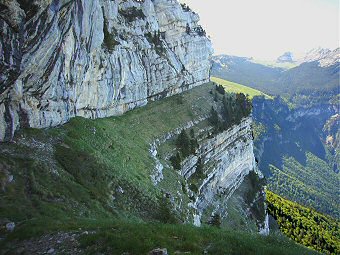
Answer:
(233, 87)
(94, 175)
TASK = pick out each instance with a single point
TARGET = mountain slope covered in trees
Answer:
(291, 147)
(305, 225)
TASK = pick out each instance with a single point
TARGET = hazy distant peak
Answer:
(224, 61)
(325, 57)
(287, 57)
(316, 54)
(226, 58)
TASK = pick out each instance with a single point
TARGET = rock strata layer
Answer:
(65, 58)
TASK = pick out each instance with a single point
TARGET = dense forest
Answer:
(313, 184)
(305, 225)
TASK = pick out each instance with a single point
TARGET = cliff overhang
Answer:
(61, 59)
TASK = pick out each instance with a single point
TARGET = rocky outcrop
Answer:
(223, 159)
(65, 58)
(228, 158)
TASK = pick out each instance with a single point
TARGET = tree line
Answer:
(234, 108)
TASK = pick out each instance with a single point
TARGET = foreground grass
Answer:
(141, 238)
(94, 168)
(133, 237)
(233, 87)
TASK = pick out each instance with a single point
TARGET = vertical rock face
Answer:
(218, 167)
(65, 58)
(230, 156)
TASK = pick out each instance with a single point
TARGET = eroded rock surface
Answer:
(60, 59)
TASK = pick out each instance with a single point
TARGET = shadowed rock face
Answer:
(60, 59)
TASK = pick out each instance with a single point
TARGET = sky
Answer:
(265, 29)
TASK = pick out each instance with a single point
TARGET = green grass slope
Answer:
(95, 175)
(94, 168)
(233, 87)
(116, 236)
(187, 240)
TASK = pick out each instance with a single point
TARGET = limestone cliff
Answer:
(229, 157)
(65, 58)
(61, 59)
(214, 172)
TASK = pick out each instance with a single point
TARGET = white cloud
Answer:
(267, 28)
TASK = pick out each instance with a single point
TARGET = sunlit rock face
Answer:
(227, 158)
(60, 59)
(230, 157)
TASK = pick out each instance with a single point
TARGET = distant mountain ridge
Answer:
(325, 57)
(242, 70)
(317, 70)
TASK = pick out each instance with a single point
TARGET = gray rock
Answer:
(159, 251)
(120, 190)
(325, 57)
(10, 178)
(232, 154)
(51, 251)
(10, 226)
(95, 59)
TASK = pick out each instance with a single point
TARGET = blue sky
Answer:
(265, 29)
